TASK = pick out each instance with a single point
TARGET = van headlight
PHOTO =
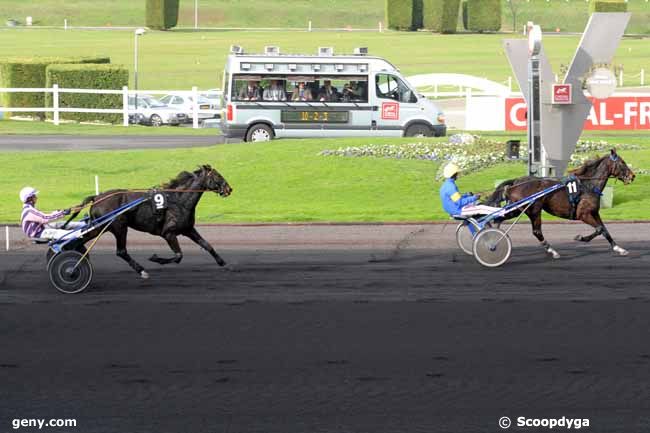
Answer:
(441, 118)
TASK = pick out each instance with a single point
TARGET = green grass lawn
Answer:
(180, 60)
(568, 15)
(281, 181)
(14, 127)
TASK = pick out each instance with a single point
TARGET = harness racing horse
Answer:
(580, 200)
(169, 213)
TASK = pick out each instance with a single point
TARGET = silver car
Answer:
(152, 112)
(185, 103)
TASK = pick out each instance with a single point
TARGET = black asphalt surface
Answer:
(104, 142)
(331, 341)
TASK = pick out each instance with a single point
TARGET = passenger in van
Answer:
(327, 93)
(353, 91)
(275, 92)
(301, 93)
(250, 92)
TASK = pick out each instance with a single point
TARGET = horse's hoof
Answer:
(553, 253)
(144, 275)
(153, 258)
(578, 238)
(230, 268)
(620, 251)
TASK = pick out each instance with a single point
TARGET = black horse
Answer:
(579, 200)
(169, 212)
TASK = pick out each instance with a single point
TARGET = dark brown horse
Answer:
(168, 213)
(580, 200)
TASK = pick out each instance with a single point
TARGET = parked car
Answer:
(214, 96)
(185, 103)
(152, 112)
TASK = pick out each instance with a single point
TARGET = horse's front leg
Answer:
(593, 219)
(535, 216)
(172, 241)
(196, 237)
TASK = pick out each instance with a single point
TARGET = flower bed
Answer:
(470, 152)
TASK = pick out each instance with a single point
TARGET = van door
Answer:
(395, 104)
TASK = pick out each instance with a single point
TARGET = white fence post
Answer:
(96, 185)
(195, 107)
(468, 101)
(7, 238)
(510, 84)
(309, 26)
(380, 27)
(620, 78)
(125, 105)
(643, 77)
(55, 102)
(65, 24)
(435, 91)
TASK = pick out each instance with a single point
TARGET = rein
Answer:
(126, 191)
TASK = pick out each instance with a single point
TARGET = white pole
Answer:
(435, 91)
(643, 77)
(65, 24)
(620, 78)
(125, 106)
(468, 101)
(309, 26)
(380, 27)
(195, 107)
(7, 238)
(135, 70)
(55, 102)
(96, 185)
(196, 14)
(510, 84)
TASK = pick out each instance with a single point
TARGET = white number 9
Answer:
(159, 199)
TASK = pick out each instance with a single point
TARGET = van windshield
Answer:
(300, 88)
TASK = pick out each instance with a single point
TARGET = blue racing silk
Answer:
(452, 200)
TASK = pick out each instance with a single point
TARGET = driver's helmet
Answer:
(26, 193)
(450, 170)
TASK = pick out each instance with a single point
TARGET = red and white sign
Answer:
(614, 113)
(561, 93)
(390, 110)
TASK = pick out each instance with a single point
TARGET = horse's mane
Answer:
(184, 176)
(587, 166)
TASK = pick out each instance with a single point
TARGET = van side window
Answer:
(391, 87)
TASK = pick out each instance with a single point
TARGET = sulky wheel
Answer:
(492, 247)
(465, 233)
(70, 272)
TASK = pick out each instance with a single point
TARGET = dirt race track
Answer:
(333, 329)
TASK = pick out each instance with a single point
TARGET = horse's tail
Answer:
(500, 193)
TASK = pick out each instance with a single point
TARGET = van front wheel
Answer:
(418, 130)
(259, 132)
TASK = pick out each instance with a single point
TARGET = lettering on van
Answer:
(390, 111)
(314, 116)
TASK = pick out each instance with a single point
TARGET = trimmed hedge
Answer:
(607, 6)
(162, 14)
(87, 77)
(440, 15)
(484, 15)
(30, 72)
(399, 14)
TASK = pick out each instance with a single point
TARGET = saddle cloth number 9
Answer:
(160, 201)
